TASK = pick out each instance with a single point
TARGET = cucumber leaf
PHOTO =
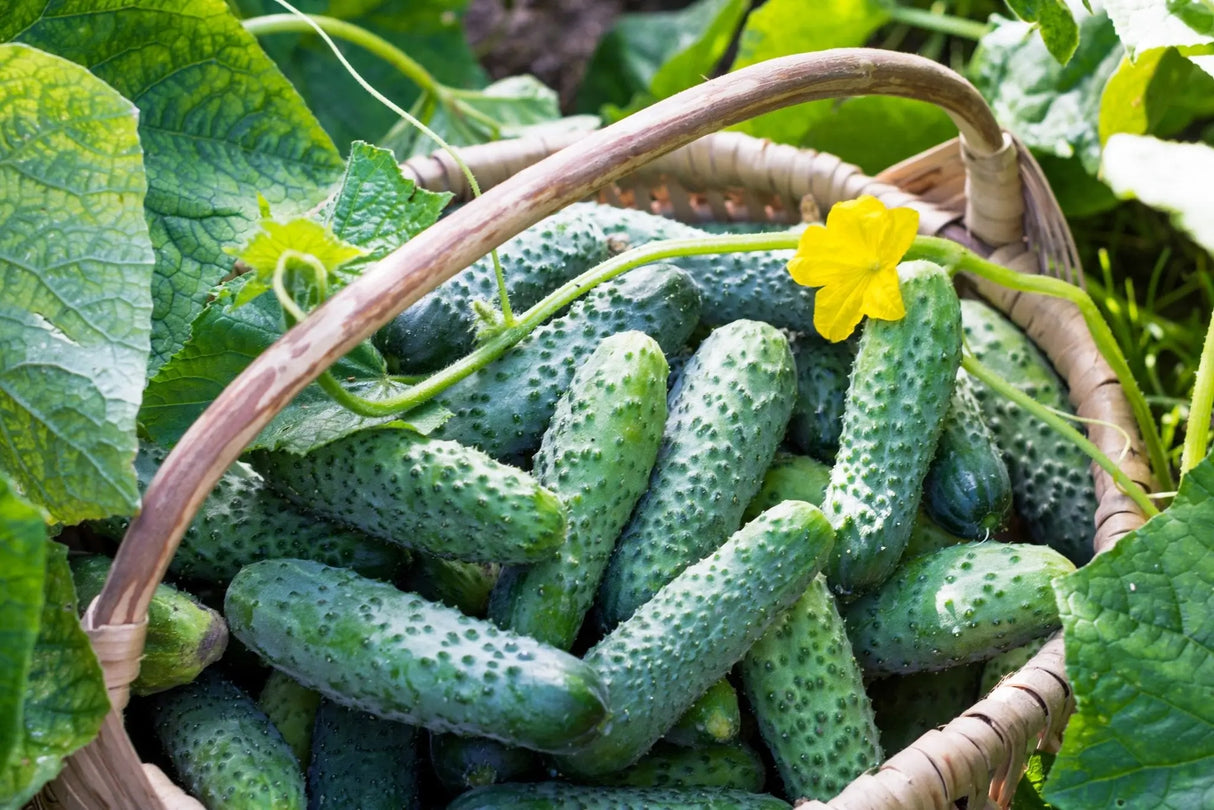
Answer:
(1059, 31)
(1139, 628)
(75, 268)
(64, 697)
(1146, 24)
(216, 120)
(1158, 93)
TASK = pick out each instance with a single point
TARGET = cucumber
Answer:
(437, 496)
(607, 428)
(733, 766)
(728, 412)
(807, 693)
(184, 636)
(789, 478)
(360, 761)
(462, 763)
(562, 796)
(901, 384)
(998, 667)
(658, 662)
(967, 490)
(715, 717)
(926, 537)
(956, 605)
(224, 749)
(908, 706)
(242, 520)
(505, 407)
(441, 327)
(291, 707)
(455, 583)
(1052, 488)
(823, 373)
(363, 643)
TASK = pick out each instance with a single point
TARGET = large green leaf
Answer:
(1146, 24)
(75, 270)
(64, 697)
(218, 123)
(1158, 93)
(1053, 19)
(22, 569)
(1173, 177)
(1139, 628)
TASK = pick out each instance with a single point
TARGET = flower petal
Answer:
(838, 308)
(902, 224)
(883, 297)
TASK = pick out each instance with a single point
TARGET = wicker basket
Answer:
(981, 189)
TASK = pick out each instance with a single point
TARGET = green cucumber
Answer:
(823, 373)
(901, 384)
(732, 766)
(715, 717)
(789, 478)
(562, 796)
(455, 583)
(291, 707)
(438, 496)
(956, 605)
(908, 706)
(184, 636)
(462, 763)
(224, 749)
(242, 520)
(728, 413)
(363, 643)
(1052, 488)
(505, 407)
(807, 693)
(360, 762)
(441, 327)
(607, 428)
(664, 657)
(926, 537)
(967, 490)
(998, 667)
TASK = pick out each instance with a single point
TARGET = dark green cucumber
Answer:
(728, 413)
(184, 636)
(823, 373)
(563, 796)
(956, 605)
(462, 763)
(790, 478)
(664, 657)
(807, 693)
(505, 407)
(732, 766)
(908, 706)
(967, 490)
(438, 496)
(291, 707)
(441, 327)
(926, 537)
(365, 644)
(455, 583)
(224, 749)
(901, 383)
(715, 717)
(998, 667)
(360, 761)
(607, 428)
(243, 520)
(1052, 487)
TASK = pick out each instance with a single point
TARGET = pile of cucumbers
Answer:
(671, 550)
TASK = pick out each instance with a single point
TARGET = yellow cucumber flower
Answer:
(854, 259)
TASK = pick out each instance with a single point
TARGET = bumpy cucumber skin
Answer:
(243, 521)
(463, 763)
(823, 373)
(291, 707)
(360, 761)
(184, 636)
(363, 643)
(715, 717)
(441, 327)
(438, 496)
(727, 415)
(908, 706)
(967, 490)
(926, 537)
(224, 749)
(901, 385)
(956, 605)
(563, 796)
(658, 662)
(607, 428)
(790, 478)
(505, 407)
(807, 693)
(1052, 488)
(732, 766)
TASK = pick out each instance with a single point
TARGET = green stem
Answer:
(956, 258)
(1059, 424)
(940, 23)
(1197, 430)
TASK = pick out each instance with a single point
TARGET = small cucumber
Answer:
(790, 478)
(437, 496)
(956, 605)
(967, 490)
(659, 661)
(361, 762)
(291, 707)
(563, 796)
(455, 583)
(807, 693)
(732, 766)
(908, 706)
(728, 413)
(715, 717)
(823, 374)
(1052, 486)
(901, 384)
(505, 407)
(441, 327)
(462, 763)
(224, 749)
(607, 428)
(365, 644)
(184, 636)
